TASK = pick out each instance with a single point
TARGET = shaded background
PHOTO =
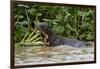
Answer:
(73, 22)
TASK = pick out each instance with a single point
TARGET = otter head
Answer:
(44, 28)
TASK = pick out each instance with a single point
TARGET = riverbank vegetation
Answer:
(72, 22)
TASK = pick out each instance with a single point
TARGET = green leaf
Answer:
(59, 29)
(22, 5)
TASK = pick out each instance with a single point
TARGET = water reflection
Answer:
(26, 55)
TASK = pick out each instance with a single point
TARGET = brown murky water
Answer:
(26, 55)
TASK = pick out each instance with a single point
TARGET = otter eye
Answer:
(42, 27)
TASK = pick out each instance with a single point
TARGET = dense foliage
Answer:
(74, 22)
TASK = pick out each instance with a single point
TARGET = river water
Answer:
(31, 55)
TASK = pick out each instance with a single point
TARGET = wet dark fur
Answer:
(52, 39)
